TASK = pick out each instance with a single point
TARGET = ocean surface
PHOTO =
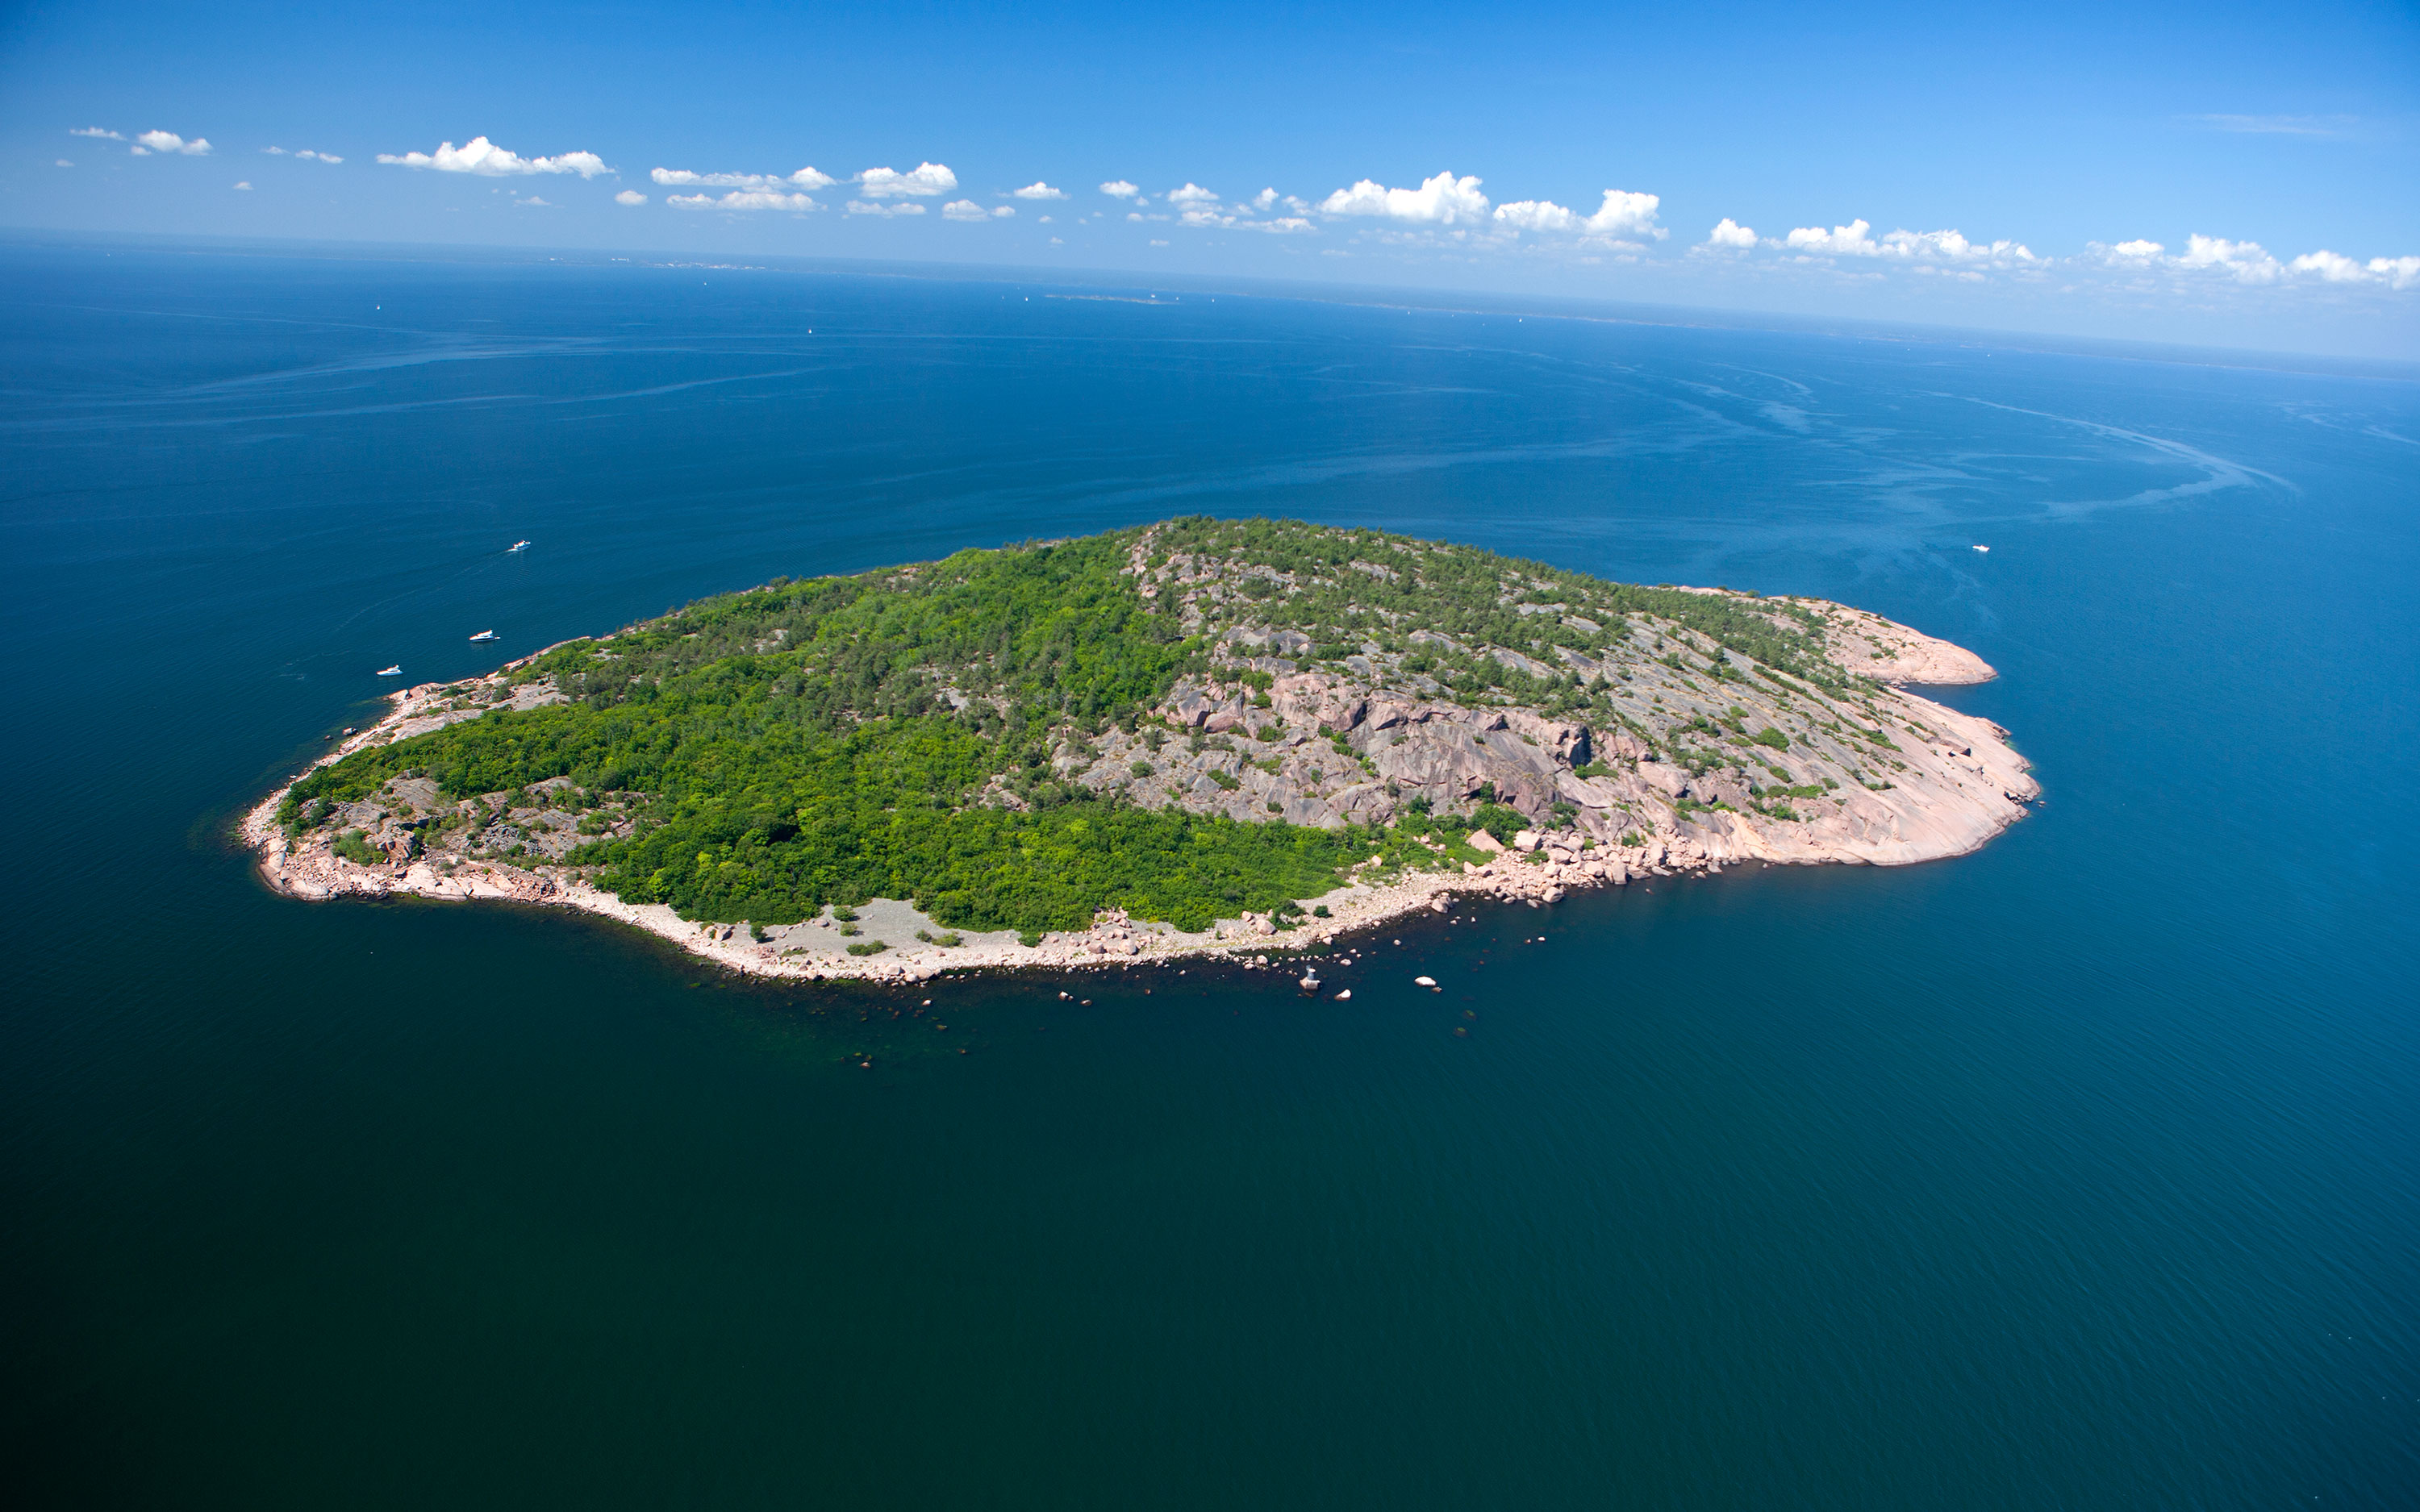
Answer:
(2082, 1172)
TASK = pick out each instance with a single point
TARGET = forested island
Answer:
(1181, 736)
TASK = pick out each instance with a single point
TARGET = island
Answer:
(1201, 735)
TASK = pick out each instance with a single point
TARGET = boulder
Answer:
(1527, 841)
(1482, 840)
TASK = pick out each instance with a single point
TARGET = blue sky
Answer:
(2232, 176)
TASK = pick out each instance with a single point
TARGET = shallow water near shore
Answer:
(2080, 1172)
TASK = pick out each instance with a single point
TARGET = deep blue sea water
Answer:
(2080, 1173)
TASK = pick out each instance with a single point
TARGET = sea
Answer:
(2082, 1172)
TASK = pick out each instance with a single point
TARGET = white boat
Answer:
(521, 546)
(1982, 549)
(485, 635)
(395, 671)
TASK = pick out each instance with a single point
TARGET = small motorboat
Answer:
(485, 635)
(1982, 549)
(521, 546)
(395, 671)
(1423, 982)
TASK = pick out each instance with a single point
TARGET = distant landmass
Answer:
(1200, 735)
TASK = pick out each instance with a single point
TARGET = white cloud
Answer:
(2334, 267)
(1855, 240)
(102, 131)
(629, 197)
(2399, 272)
(925, 179)
(534, 200)
(1626, 214)
(1158, 243)
(306, 155)
(244, 183)
(858, 207)
(2248, 261)
(275, 152)
(1056, 242)
(803, 179)
(1046, 220)
(1264, 199)
(1192, 193)
(1443, 200)
(1851, 240)
(1120, 189)
(1038, 190)
(966, 209)
(483, 157)
(1536, 215)
(65, 163)
(1211, 220)
(1622, 214)
(738, 199)
(167, 143)
(1730, 234)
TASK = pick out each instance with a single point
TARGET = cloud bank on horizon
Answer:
(1446, 213)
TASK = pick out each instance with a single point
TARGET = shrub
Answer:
(948, 940)
(1030, 939)
(844, 912)
(1499, 820)
(1774, 738)
(869, 948)
(353, 847)
(1140, 770)
(1274, 807)
(1321, 911)
(1225, 781)
(756, 933)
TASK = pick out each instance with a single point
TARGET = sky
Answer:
(2209, 174)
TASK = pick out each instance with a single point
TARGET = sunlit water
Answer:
(2076, 1173)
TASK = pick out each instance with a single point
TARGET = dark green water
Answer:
(2077, 1173)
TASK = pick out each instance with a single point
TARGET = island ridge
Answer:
(1200, 734)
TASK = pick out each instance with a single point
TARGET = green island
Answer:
(1195, 721)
